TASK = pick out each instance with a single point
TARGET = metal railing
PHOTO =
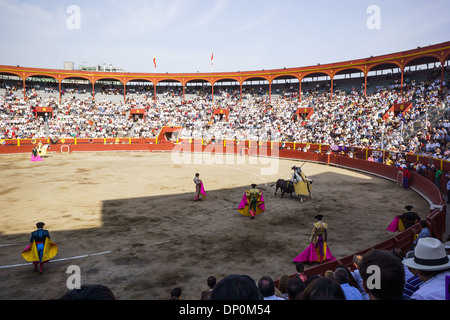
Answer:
(431, 117)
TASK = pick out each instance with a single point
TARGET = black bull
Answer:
(285, 186)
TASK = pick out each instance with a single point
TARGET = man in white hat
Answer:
(433, 266)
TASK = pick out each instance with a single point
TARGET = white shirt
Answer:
(274, 297)
(432, 289)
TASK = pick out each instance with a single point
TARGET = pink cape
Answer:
(243, 207)
(202, 190)
(37, 158)
(310, 254)
(244, 202)
(262, 205)
(28, 247)
(393, 227)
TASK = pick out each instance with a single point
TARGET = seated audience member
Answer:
(433, 266)
(266, 287)
(383, 275)
(424, 232)
(211, 281)
(295, 288)
(329, 274)
(413, 283)
(282, 286)
(236, 287)
(356, 275)
(350, 292)
(175, 294)
(323, 289)
(89, 292)
(398, 252)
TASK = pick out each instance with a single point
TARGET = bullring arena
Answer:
(121, 207)
(128, 220)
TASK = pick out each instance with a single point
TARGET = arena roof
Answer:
(438, 53)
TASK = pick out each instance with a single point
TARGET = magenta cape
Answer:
(396, 225)
(393, 227)
(202, 190)
(37, 158)
(243, 206)
(310, 254)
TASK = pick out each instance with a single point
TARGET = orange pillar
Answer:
(59, 85)
(212, 92)
(365, 85)
(401, 84)
(270, 91)
(240, 92)
(183, 94)
(24, 90)
(300, 90)
(93, 91)
(124, 92)
(331, 87)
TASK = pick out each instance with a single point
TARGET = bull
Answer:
(285, 186)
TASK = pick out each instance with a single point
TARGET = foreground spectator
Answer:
(391, 275)
(323, 289)
(356, 275)
(413, 283)
(433, 265)
(89, 292)
(175, 294)
(350, 292)
(236, 287)
(295, 288)
(283, 286)
(266, 287)
(211, 281)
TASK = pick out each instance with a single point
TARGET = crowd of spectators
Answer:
(346, 118)
(401, 276)
(398, 276)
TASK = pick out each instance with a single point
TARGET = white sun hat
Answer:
(429, 255)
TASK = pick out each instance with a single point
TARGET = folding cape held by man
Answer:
(252, 202)
(200, 192)
(318, 250)
(41, 248)
(404, 221)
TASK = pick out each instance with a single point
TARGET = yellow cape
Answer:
(31, 253)
(244, 207)
(302, 187)
(401, 225)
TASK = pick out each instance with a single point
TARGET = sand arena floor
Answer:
(127, 220)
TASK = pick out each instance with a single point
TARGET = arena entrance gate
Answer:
(169, 134)
(396, 109)
(43, 112)
(137, 114)
(303, 114)
(222, 113)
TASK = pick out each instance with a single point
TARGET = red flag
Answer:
(154, 61)
(212, 58)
